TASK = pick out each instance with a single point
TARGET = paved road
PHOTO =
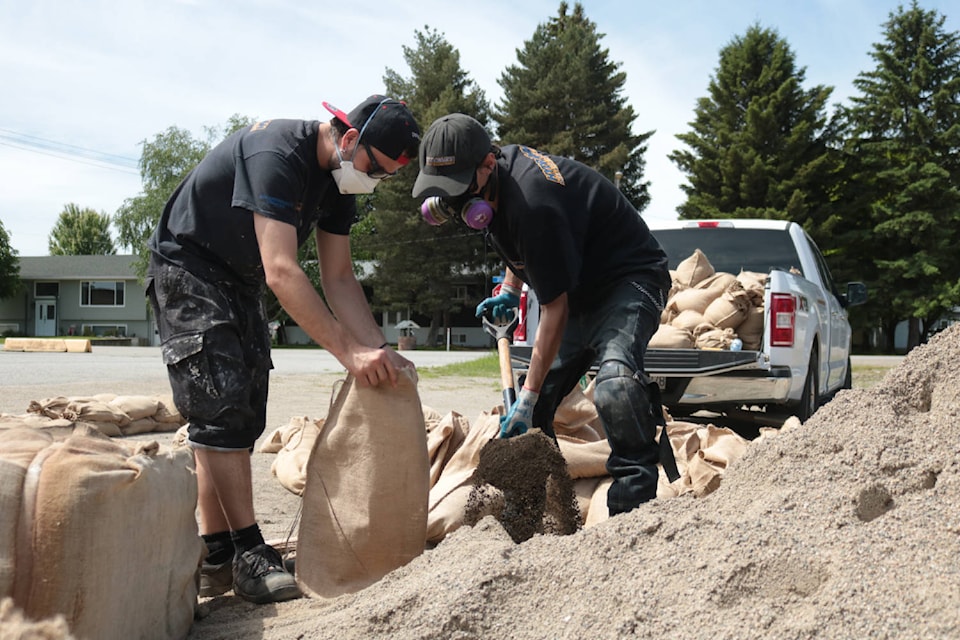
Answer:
(106, 364)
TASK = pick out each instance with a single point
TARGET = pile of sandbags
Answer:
(707, 309)
(100, 532)
(111, 414)
(453, 443)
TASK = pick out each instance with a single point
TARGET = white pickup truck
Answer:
(804, 358)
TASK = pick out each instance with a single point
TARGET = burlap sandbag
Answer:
(366, 490)
(716, 339)
(694, 269)
(688, 320)
(88, 505)
(670, 337)
(694, 299)
(720, 280)
(750, 330)
(729, 310)
(753, 283)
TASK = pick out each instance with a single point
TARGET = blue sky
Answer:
(84, 84)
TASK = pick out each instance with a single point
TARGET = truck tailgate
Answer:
(676, 362)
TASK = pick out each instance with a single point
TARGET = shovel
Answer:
(503, 334)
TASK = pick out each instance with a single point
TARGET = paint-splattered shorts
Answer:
(215, 342)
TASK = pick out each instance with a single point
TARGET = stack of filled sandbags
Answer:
(113, 415)
(99, 531)
(707, 309)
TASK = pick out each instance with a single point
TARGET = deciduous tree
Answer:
(81, 232)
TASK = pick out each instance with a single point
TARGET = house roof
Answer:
(77, 267)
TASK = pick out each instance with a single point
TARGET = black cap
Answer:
(384, 123)
(452, 148)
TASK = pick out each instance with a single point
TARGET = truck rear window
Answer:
(731, 250)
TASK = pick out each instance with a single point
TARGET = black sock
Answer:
(246, 539)
(219, 547)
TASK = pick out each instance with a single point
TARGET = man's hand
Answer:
(372, 366)
(520, 416)
(501, 306)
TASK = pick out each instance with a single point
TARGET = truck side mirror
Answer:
(856, 294)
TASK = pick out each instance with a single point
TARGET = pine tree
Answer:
(565, 97)
(759, 143)
(418, 267)
(904, 170)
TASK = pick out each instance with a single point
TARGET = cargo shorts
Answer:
(215, 342)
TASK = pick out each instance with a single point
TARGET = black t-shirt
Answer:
(270, 168)
(564, 228)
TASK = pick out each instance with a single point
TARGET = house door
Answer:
(46, 318)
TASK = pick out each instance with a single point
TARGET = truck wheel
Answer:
(810, 398)
(848, 379)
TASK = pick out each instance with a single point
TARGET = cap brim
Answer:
(338, 113)
(444, 186)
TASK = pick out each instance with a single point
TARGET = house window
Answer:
(460, 293)
(106, 293)
(104, 330)
(46, 289)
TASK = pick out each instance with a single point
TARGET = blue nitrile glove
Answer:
(501, 305)
(520, 416)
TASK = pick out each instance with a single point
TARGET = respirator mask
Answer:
(473, 210)
(351, 181)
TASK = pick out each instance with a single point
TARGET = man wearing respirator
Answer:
(600, 276)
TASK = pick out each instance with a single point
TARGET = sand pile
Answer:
(845, 527)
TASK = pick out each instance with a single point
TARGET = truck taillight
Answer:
(783, 315)
(520, 333)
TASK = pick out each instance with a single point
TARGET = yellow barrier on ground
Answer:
(70, 345)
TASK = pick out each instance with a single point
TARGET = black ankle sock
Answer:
(246, 539)
(219, 546)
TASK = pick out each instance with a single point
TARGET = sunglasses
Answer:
(376, 171)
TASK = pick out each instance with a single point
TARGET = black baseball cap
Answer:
(384, 123)
(452, 148)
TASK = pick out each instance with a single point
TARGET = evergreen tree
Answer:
(758, 146)
(10, 283)
(903, 155)
(81, 232)
(418, 267)
(565, 97)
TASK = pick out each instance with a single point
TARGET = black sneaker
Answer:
(259, 576)
(216, 579)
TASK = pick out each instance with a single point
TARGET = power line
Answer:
(69, 152)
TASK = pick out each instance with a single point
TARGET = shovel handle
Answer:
(506, 373)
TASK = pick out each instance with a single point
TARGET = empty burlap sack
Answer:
(87, 506)
(448, 496)
(577, 415)
(729, 310)
(694, 269)
(298, 439)
(366, 490)
(670, 337)
(444, 437)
